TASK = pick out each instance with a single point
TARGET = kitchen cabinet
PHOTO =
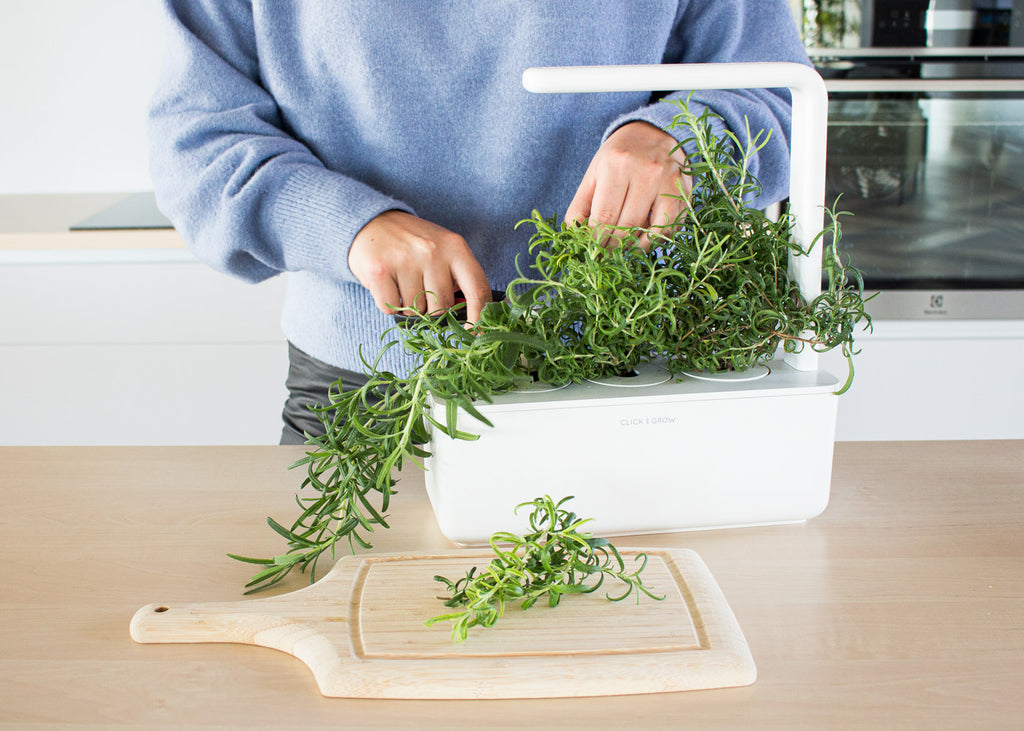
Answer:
(933, 380)
(123, 337)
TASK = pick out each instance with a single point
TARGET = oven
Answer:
(926, 151)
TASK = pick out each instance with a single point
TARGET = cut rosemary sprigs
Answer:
(555, 558)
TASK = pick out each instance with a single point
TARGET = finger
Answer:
(606, 208)
(665, 212)
(412, 291)
(637, 206)
(471, 280)
(440, 290)
(475, 301)
(386, 295)
(664, 218)
(579, 209)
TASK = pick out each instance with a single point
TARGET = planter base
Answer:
(684, 454)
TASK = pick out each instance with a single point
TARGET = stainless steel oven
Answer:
(926, 150)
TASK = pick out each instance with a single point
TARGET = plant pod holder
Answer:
(654, 452)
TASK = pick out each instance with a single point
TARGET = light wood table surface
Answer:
(901, 607)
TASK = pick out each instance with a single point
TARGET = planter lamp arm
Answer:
(807, 147)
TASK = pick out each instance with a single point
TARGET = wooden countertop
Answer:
(901, 606)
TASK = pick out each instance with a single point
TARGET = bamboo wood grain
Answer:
(360, 629)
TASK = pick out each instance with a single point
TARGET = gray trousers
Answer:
(308, 383)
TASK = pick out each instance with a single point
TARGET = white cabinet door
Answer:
(138, 353)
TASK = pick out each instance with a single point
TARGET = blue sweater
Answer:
(280, 128)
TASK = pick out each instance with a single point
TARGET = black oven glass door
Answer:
(934, 179)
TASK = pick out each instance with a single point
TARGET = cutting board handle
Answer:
(242, 622)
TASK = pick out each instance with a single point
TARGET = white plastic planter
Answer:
(652, 453)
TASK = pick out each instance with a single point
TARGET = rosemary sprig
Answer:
(712, 293)
(554, 559)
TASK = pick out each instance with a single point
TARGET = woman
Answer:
(381, 153)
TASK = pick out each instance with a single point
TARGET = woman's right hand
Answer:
(410, 264)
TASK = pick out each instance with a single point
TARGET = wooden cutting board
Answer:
(360, 629)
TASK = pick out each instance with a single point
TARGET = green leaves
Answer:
(554, 559)
(712, 293)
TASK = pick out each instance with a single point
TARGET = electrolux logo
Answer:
(936, 305)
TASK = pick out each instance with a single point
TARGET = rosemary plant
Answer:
(555, 558)
(710, 293)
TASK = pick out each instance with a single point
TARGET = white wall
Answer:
(75, 79)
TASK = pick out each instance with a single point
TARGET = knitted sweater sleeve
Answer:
(248, 198)
(721, 31)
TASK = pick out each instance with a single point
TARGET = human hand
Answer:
(412, 265)
(633, 180)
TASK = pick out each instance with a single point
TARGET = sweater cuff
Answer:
(318, 213)
(661, 114)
